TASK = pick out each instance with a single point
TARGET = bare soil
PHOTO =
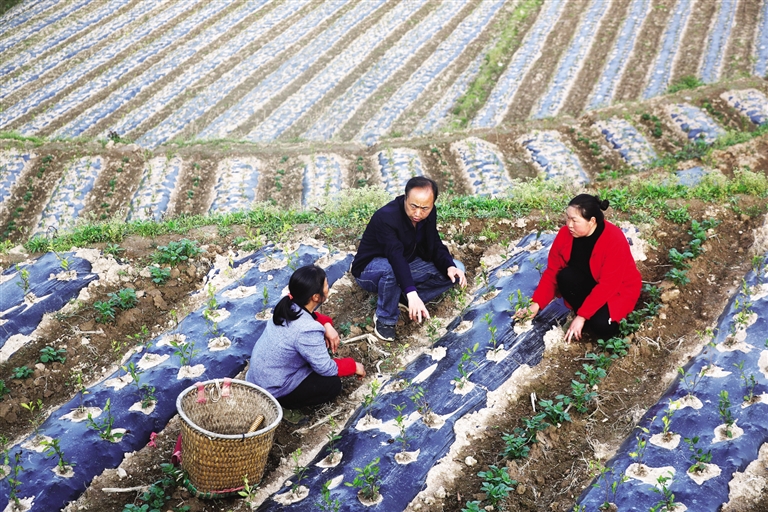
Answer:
(742, 43)
(694, 42)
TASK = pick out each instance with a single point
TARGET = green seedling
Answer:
(473, 506)
(104, 425)
(466, 358)
(516, 444)
(13, 481)
(617, 346)
(491, 330)
(24, 283)
(433, 330)
(606, 480)
(601, 360)
(749, 382)
(36, 415)
(147, 396)
(333, 436)
(690, 381)
(667, 501)
(419, 399)
(497, 484)
(369, 398)
(53, 448)
(367, 479)
(124, 299)
(591, 375)
(185, 350)
(176, 252)
(21, 372)
(299, 471)
(4, 389)
(328, 504)
(724, 408)
(666, 422)
(159, 275)
(678, 276)
(105, 311)
(640, 447)
(699, 459)
(557, 413)
(248, 493)
(519, 301)
(52, 355)
(265, 295)
(79, 385)
(113, 249)
(400, 423)
(581, 396)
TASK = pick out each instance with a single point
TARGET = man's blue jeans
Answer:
(378, 277)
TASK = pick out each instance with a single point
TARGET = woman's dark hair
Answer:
(421, 182)
(590, 206)
(304, 283)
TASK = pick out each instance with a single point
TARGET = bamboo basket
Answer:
(219, 436)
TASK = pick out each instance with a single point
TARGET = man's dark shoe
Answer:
(383, 331)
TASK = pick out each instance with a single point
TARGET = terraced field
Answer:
(149, 111)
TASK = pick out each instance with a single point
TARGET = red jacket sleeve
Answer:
(558, 257)
(323, 319)
(347, 366)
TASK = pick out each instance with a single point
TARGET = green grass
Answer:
(495, 63)
(14, 135)
(5, 5)
(686, 82)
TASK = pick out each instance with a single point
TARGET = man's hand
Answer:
(453, 273)
(527, 313)
(332, 338)
(416, 308)
(574, 330)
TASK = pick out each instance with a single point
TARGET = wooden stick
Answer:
(125, 489)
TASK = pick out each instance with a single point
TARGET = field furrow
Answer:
(19, 36)
(717, 41)
(419, 82)
(496, 106)
(552, 157)
(174, 60)
(322, 179)
(741, 45)
(23, 12)
(93, 64)
(282, 118)
(761, 43)
(170, 93)
(36, 70)
(603, 93)
(237, 183)
(156, 195)
(482, 166)
(69, 195)
(396, 166)
(63, 35)
(13, 163)
(113, 75)
(216, 92)
(345, 106)
(660, 75)
(688, 61)
(288, 72)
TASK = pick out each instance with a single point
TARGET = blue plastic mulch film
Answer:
(435, 375)
(91, 454)
(29, 290)
(739, 341)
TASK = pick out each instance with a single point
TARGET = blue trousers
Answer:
(378, 277)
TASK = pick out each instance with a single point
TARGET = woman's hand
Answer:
(359, 370)
(332, 338)
(527, 313)
(574, 330)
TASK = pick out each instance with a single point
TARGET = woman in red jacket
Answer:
(591, 267)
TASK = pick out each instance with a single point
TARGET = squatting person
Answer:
(591, 267)
(402, 259)
(290, 359)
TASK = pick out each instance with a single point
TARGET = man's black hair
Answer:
(421, 182)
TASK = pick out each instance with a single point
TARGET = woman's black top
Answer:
(581, 251)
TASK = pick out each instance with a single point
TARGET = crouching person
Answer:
(402, 259)
(290, 359)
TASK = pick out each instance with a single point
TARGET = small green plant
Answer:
(557, 413)
(105, 311)
(618, 346)
(581, 396)
(52, 355)
(36, 418)
(176, 252)
(699, 459)
(367, 479)
(104, 425)
(333, 436)
(185, 350)
(159, 275)
(678, 259)
(473, 506)
(515, 445)
(265, 296)
(248, 492)
(466, 358)
(124, 299)
(369, 398)
(601, 360)
(667, 500)
(400, 423)
(749, 382)
(678, 276)
(605, 479)
(3, 389)
(24, 283)
(497, 484)
(690, 381)
(13, 481)
(419, 399)
(299, 471)
(491, 330)
(666, 422)
(724, 408)
(642, 444)
(21, 372)
(433, 329)
(147, 395)
(684, 83)
(519, 301)
(113, 249)
(53, 448)
(591, 375)
(79, 385)
(328, 504)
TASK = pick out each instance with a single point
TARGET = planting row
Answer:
(119, 414)
(266, 70)
(707, 426)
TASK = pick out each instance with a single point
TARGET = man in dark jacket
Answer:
(402, 259)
